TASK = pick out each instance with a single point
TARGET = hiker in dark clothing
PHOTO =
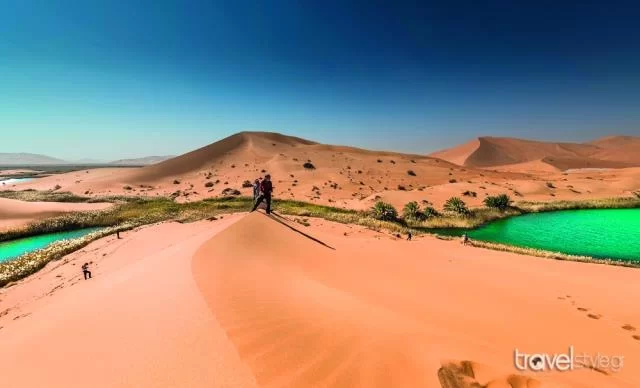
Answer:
(256, 190)
(408, 236)
(85, 271)
(266, 188)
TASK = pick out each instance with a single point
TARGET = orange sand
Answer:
(253, 301)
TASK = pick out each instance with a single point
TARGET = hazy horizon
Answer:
(128, 79)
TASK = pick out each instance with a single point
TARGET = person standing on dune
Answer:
(266, 188)
(256, 190)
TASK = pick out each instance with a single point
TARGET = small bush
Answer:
(309, 166)
(411, 173)
(452, 180)
(379, 160)
(246, 184)
(500, 202)
(384, 212)
(208, 184)
(176, 182)
(230, 191)
(456, 205)
(57, 187)
(550, 185)
(402, 188)
(470, 194)
(127, 187)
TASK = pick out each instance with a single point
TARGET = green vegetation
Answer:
(131, 212)
(411, 211)
(456, 205)
(500, 202)
(384, 212)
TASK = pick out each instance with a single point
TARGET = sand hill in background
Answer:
(350, 177)
(609, 152)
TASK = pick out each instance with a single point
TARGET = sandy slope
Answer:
(256, 301)
(140, 322)
(14, 213)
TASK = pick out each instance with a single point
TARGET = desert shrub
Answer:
(456, 205)
(402, 188)
(411, 173)
(230, 191)
(127, 187)
(384, 212)
(411, 211)
(470, 194)
(246, 184)
(309, 166)
(176, 182)
(57, 187)
(500, 202)
(379, 160)
(208, 184)
(452, 180)
(550, 185)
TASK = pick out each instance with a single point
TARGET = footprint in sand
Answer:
(594, 316)
(583, 309)
(636, 337)
(629, 327)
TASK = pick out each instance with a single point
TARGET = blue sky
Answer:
(115, 79)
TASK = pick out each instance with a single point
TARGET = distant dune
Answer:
(26, 159)
(141, 161)
(609, 152)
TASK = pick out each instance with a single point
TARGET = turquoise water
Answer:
(13, 181)
(599, 233)
(12, 249)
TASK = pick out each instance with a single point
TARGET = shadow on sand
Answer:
(279, 219)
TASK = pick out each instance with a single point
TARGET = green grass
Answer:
(130, 212)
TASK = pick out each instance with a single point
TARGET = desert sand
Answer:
(355, 178)
(257, 301)
(15, 214)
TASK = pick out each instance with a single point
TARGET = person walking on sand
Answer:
(266, 188)
(85, 271)
(408, 236)
(465, 239)
(256, 190)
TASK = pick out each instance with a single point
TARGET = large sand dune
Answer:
(609, 152)
(343, 176)
(254, 301)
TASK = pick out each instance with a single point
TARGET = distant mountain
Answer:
(88, 161)
(141, 161)
(22, 159)
(608, 152)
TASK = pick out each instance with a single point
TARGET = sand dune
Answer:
(345, 176)
(253, 301)
(14, 213)
(610, 152)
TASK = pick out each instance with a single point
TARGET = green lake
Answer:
(12, 249)
(599, 233)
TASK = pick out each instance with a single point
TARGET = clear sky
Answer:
(110, 79)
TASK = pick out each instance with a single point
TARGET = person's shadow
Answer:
(280, 219)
